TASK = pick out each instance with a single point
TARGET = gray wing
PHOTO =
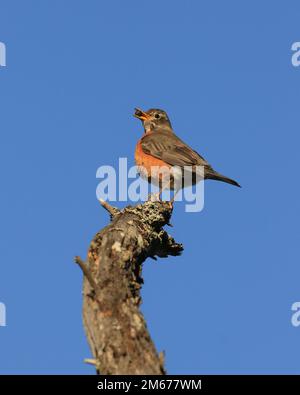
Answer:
(172, 150)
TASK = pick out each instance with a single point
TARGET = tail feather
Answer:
(219, 177)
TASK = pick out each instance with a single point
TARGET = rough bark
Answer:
(115, 327)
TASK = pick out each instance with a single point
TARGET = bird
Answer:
(160, 148)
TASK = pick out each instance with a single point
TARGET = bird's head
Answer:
(153, 119)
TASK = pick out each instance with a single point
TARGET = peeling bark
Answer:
(115, 327)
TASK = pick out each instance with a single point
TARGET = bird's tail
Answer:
(213, 175)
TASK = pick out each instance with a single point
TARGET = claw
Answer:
(154, 197)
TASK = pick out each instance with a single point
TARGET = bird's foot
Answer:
(154, 197)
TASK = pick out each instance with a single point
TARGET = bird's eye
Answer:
(157, 116)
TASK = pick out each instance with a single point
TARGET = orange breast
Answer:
(147, 164)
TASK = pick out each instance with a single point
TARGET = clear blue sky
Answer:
(222, 69)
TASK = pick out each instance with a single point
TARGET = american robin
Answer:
(160, 148)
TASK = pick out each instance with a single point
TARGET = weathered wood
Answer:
(115, 327)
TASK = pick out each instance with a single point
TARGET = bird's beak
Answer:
(143, 116)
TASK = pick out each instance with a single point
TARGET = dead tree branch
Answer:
(115, 327)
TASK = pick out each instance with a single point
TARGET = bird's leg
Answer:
(173, 198)
(161, 189)
(154, 197)
(164, 185)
